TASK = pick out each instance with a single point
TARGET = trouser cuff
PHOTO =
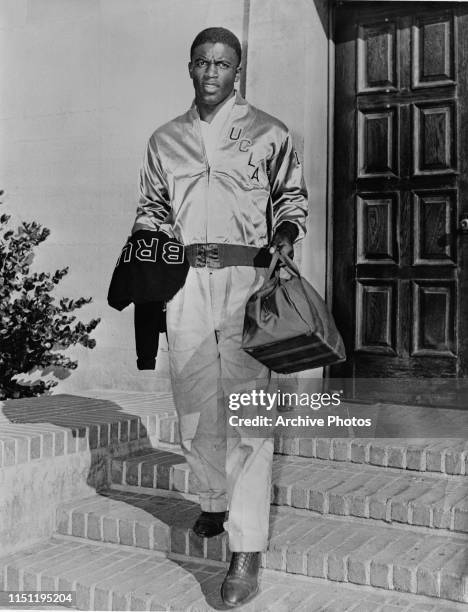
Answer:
(247, 545)
(213, 505)
(253, 542)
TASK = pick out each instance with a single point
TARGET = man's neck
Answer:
(208, 113)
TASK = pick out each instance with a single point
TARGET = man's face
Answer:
(213, 70)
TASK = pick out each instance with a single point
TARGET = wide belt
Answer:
(219, 255)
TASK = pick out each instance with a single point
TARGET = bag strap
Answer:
(272, 266)
(288, 262)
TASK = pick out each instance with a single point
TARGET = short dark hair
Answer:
(217, 35)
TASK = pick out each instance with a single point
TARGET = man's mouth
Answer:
(210, 86)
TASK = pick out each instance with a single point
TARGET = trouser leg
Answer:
(249, 458)
(195, 373)
(248, 467)
(205, 321)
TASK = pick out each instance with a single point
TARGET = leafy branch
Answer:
(33, 324)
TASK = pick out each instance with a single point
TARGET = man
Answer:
(224, 179)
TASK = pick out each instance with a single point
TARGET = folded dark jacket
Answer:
(150, 270)
(149, 322)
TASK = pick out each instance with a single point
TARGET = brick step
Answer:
(436, 501)
(332, 548)
(441, 455)
(429, 454)
(57, 448)
(54, 426)
(107, 577)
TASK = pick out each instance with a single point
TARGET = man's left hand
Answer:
(283, 239)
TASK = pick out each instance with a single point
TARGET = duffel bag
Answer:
(288, 326)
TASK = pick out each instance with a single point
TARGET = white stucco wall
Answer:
(287, 75)
(84, 84)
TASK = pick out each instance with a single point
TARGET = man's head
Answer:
(217, 35)
(214, 65)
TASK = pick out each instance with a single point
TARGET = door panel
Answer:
(377, 142)
(434, 138)
(376, 228)
(400, 188)
(435, 214)
(433, 50)
(376, 59)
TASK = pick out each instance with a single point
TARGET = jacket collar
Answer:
(239, 102)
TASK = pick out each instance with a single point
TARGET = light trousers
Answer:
(233, 467)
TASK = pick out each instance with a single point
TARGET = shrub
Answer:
(34, 326)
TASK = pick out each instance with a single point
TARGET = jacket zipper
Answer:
(207, 166)
(207, 198)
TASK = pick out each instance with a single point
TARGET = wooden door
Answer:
(400, 258)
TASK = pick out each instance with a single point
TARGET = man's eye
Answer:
(200, 62)
(223, 65)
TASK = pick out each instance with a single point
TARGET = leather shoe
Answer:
(241, 582)
(209, 524)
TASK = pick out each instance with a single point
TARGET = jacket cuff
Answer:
(140, 226)
(146, 363)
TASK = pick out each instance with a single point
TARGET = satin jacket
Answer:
(255, 183)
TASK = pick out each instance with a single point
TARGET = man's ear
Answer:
(190, 67)
(238, 73)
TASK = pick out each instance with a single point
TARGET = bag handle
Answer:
(288, 262)
(272, 266)
(294, 269)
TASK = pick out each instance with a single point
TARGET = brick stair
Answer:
(327, 487)
(356, 524)
(109, 577)
(53, 426)
(388, 513)
(412, 561)
(58, 448)
(445, 456)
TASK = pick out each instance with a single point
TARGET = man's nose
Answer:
(212, 68)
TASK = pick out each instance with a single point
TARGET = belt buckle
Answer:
(200, 256)
(213, 259)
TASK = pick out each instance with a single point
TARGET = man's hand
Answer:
(283, 239)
